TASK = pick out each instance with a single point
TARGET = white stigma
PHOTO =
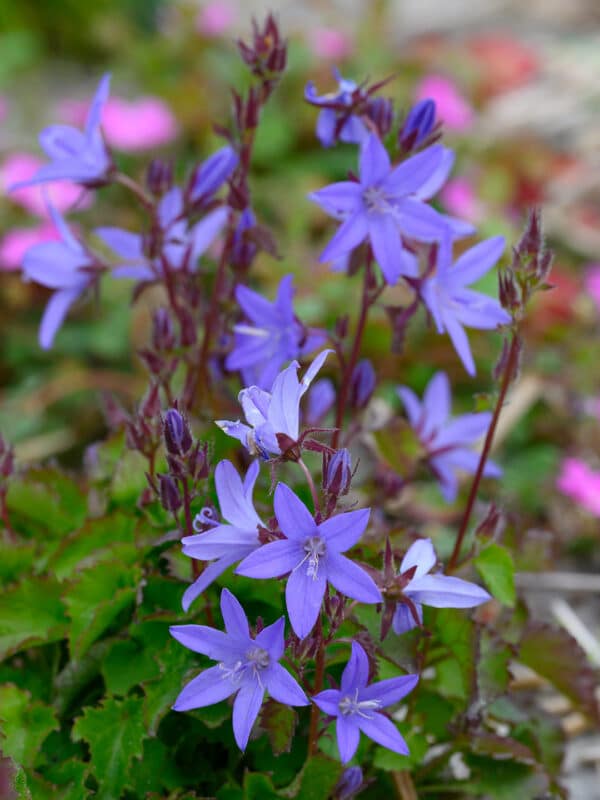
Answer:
(376, 200)
(349, 706)
(315, 548)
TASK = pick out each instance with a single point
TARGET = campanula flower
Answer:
(453, 305)
(227, 542)
(247, 667)
(312, 556)
(446, 441)
(320, 400)
(437, 590)
(65, 266)
(273, 336)
(79, 156)
(335, 121)
(274, 412)
(388, 203)
(212, 173)
(419, 123)
(356, 705)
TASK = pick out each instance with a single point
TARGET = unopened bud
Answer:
(150, 406)
(178, 438)
(199, 462)
(362, 384)
(159, 177)
(170, 497)
(163, 335)
(349, 784)
(419, 123)
(380, 111)
(338, 476)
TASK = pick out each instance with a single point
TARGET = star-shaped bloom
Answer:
(227, 543)
(334, 122)
(356, 706)
(453, 305)
(181, 245)
(79, 156)
(312, 556)
(387, 204)
(447, 441)
(437, 590)
(65, 266)
(273, 336)
(274, 412)
(248, 667)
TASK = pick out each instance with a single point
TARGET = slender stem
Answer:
(506, 379)
(311, 484)
(347, 379)
(405, 787)
(135, 188)
(313, 738)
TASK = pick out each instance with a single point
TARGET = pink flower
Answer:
(63, 194)
(581, 484)
(16, 243)
(451, 107)
(460, 199)
(138, 125)
(215, 18)
(330, 43)
(592, 283)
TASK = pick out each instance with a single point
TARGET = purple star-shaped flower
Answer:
(312, 555)
(65, 266)
(439, 591)
(247, 667)
(356, 705)
(225, 543)
(274, 336)
(181, 245)
(332, 118)
(272, 413)
(447, 441)
(79, 156)
(452, 305)
(388, 203)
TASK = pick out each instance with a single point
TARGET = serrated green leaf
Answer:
(96, 599)
(259, 787)
(455, 675)
(67, 779)
(16, 561)
(156, 769)
(49, 498)
(26, 724)
(114, 732)
(316, 780)
(110, 538)
(31, 613)
(126, 664)
(496, 567)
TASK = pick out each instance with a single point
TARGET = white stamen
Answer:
(363, 708)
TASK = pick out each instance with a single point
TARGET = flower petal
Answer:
(356, 671)
(477, 261)
(271, 560)
(202, 639)
(381, 730)
(389, 691)
(351, 580)
(55, 313)
(414, 173)
(412, 404)
(374, 161)
(460, 341)
(210, 687)
(209, 574)
(348, 735)
(421, 555)
(304, 597)
(294, 518)
(339, 199)
(343, 531)
(349, 235)
(271, 638)
(387, 245)
(245, 711)
(437, 402)
(446, 591)
(284, 688)
(234, 616)
(419, 221)
(236, 507)
(328, 701)
(403, 619)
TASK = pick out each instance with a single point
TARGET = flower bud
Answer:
(338, 475)
(163, 335)
(199, 463)
(349, 784)
(380, 111)
(159, 176)
(150, 405)
(362, 384)
(170, 497)
(417, 126)
(178, 438)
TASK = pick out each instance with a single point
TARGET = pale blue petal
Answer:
(271, 639)
(304, 597)
(445, 591)
(412, 404)
(389, 691)
(348, 236)
(437, 402)
(245, 711)
(209, 574)
(381, 730)
(477, 261)
(356, 671)
(202, 639)
(348, 735)
(328, 701)
(284, 688)
(294, 518)
(344, 530)
(339, 199)
(210, 687)
(387, 245)
(420, 554)
(414, 173)
(234, 617)
(403, 619)
(55, 313)
(236, 506)
(351, 580)
(374, 161)
(432, 186)
(272, 560)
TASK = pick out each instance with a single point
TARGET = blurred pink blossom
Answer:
(63, 194)
(592, 283)
(330, 43)
(14, 245)
(451, 107)
(460, 199)
(581, 484)
(128, 125)
(215, 18)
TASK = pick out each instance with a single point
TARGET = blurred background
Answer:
(517, 89)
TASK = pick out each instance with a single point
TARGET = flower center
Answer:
(258, 658)
(349, 706)
(315, 548)
(376, 200)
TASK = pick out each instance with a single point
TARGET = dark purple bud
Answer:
(532, 241)
(338, 476)
(189, 333)
(150, 405)
(153, 362)
(349, 784)
(266, 54)
(509, 292)
(159, 177)
(362, 384)
(199, 462)
(163, 335)
(419, 123)
(209, 176)
(170, 497)
(380, 111)
(492, 523)
(178, 438)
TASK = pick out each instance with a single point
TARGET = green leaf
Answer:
(496, 567)
(16, 561)
(556, 656)
(259, 787)
(279, 722)
(110, 538)
(493, 670)
(126, 664)
(31, 613)
(67, 779)
(114, 732)
(96, 599)
(26, 724)
(504, 779)
(316, 780)
(156, 769)
(49, 498)
(455, 675)
(13, 777)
